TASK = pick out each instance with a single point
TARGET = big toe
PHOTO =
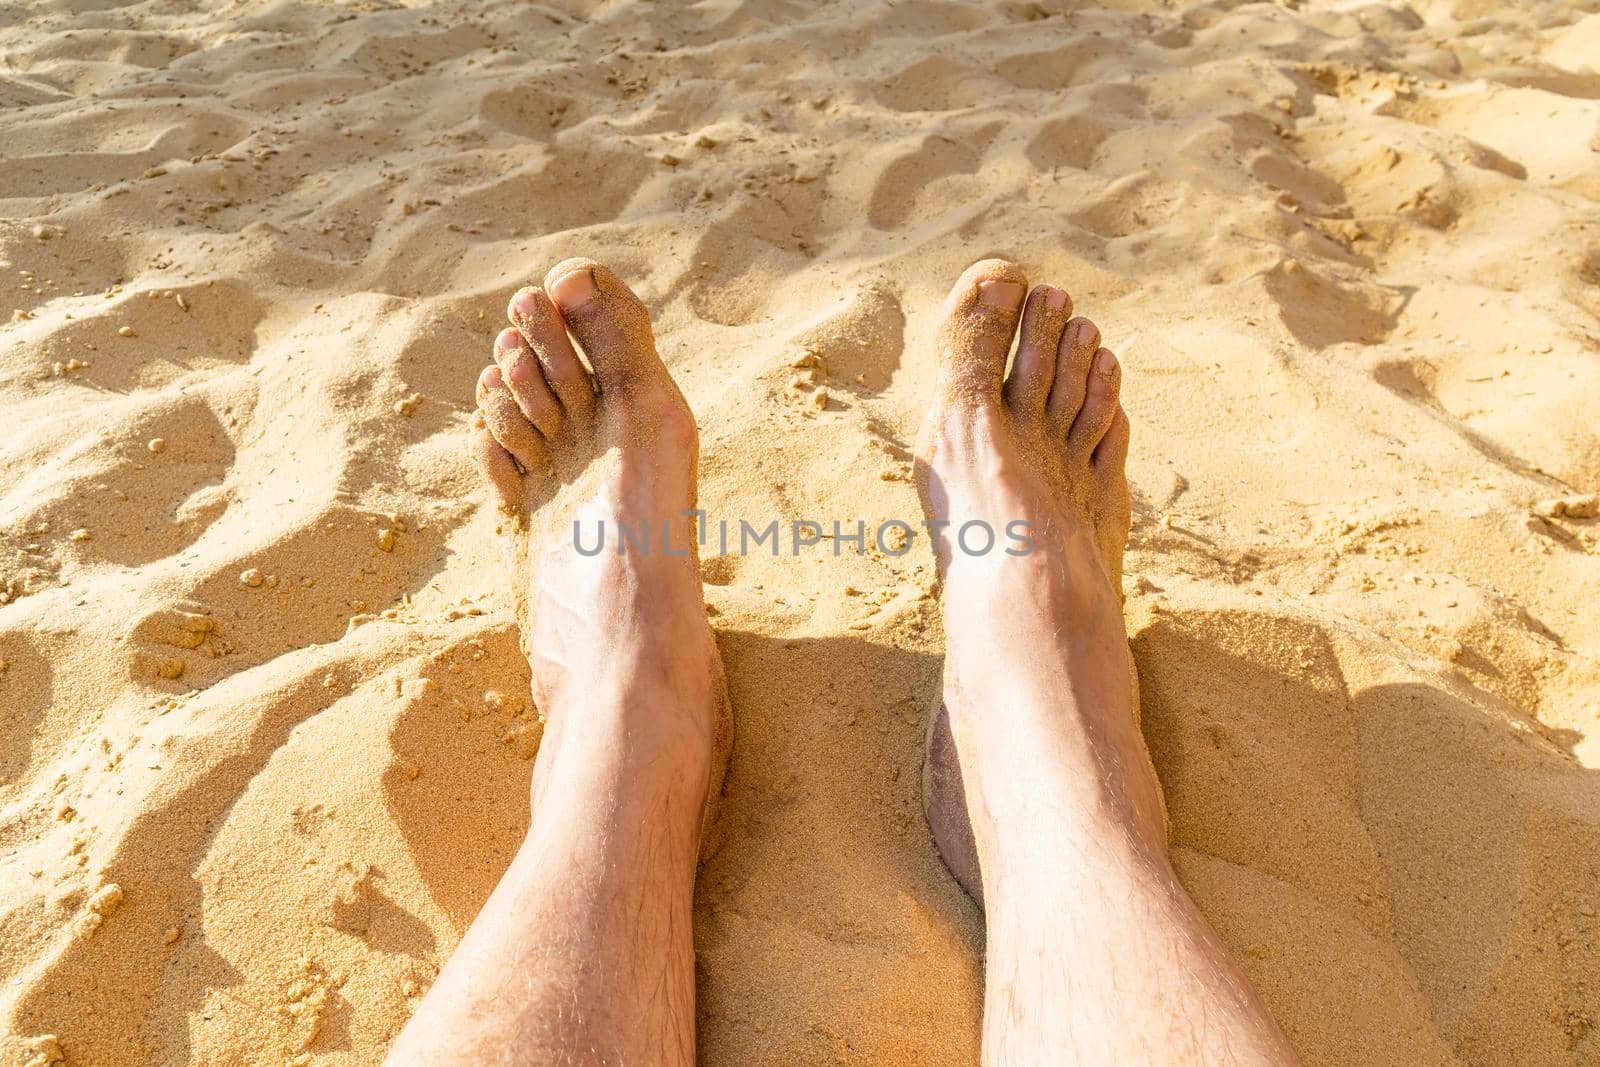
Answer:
(980, 319)
(609, 321)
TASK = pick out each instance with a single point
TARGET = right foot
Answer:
(624, 666)
(1038, 730)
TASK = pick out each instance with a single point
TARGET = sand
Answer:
(264, 732)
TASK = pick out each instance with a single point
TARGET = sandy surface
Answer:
(260, 762)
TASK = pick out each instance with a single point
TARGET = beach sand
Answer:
(264, 732)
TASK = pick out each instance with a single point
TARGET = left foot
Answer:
(624, 665)
(583, 952)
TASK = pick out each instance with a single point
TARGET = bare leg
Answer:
(583, 953)
(1095, 953)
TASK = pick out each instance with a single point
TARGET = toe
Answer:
(609, 321)
(499, 470)
(506, 421)
(1111, 455)
(1079, 339)
(1034, 368)
(1099, 405)
(521, 374)
(541, 326)
(980, 318)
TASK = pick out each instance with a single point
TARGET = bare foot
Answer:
(624, 666)
(1037, 664)
(584, 950)
(1093, 950)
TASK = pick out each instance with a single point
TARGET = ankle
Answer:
(1054, 573)
(651, 735)
(650, 691)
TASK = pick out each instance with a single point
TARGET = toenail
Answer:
(520, 373)
(997, 294)
(1085, 333)
(526, 303)
(509, 340)
(573, 290)
(1105, 363)
(1055, 299)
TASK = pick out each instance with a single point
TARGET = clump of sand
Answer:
(264, 737)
